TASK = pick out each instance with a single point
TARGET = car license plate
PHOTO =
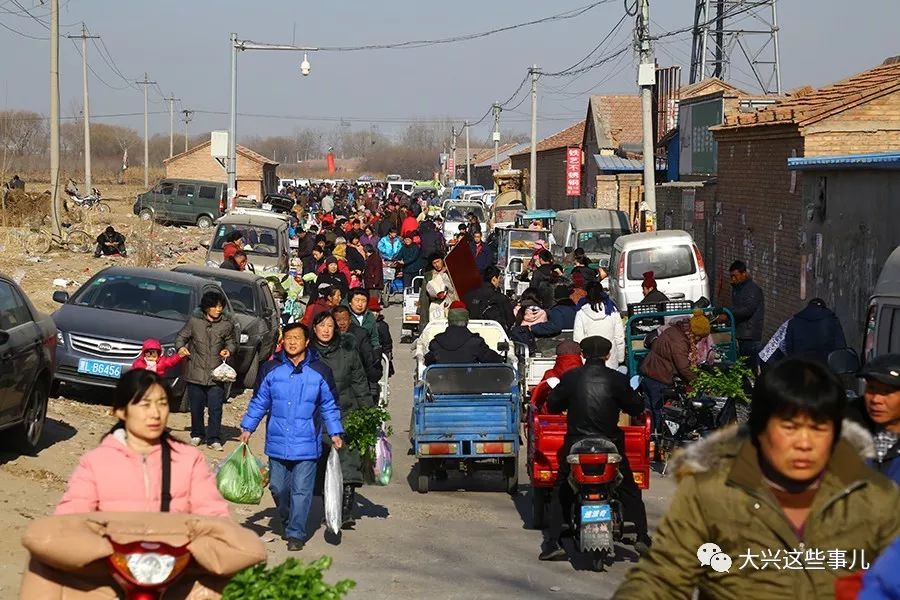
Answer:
(100, 368)
(596, 513)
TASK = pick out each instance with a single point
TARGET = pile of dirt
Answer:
(25, 209)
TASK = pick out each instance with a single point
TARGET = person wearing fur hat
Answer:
(592, 396)
(675, 352)
(458, 345)
(652, 295)
(794, 480)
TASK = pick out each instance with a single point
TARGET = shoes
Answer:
(347, 505)
(295, 545)
(216, 446)
(552, 551)
(195, 441)
(642, 545)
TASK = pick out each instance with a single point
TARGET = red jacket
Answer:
(163, 363)
(564, 363)
(228, 250)
(410, 224)
(313, 309)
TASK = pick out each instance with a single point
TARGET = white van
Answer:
(455, 212)
(674, 259)
(404, 186)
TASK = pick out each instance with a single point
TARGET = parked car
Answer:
(279, 203)
(401, 186)
(103, 325)
(594, 229)
(27, 360)
(673, 257)
(266, 240)
(455, 212)
(457, 191)
(254, 308)
(186, 201)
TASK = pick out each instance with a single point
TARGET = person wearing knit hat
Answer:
(652, 295)
(457, 345)
(700, 326)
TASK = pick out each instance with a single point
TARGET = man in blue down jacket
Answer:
(297, 394)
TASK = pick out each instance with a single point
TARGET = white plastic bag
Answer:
(224, 373)
(334, 489)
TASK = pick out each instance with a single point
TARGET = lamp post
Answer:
(238, 45)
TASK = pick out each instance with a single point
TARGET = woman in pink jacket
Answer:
(125, 473)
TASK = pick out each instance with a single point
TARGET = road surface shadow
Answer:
(522, 502)
(254, 522)
(54, 432)
(482, 480)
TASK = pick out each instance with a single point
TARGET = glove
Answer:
(553, 382)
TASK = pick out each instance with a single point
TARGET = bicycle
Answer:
(40, 241)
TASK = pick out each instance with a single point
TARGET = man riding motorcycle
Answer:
(593, 395)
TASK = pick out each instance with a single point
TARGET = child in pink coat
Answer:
(124, 474)
(152, 358)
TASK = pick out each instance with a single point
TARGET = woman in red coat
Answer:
(568, 357)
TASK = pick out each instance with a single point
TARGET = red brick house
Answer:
(551, 167)
(760, 213)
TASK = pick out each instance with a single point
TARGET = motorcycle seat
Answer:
(594, 446)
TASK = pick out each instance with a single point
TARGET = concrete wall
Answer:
(844, 253)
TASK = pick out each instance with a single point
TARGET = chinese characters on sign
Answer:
(573, 171)
(809, 559)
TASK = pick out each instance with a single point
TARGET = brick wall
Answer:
(551, 178)
(756, 216)
(201, 165)
(623, 191)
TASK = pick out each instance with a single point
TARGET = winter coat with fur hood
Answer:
(590, 322)
(723, 499)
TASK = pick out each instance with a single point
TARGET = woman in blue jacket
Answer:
(298, 396)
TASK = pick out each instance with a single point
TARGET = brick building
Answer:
(551, 167)
(613, 127)
(255, 173)
(483, 172)
(758, 210)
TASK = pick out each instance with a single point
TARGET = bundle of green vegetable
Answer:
(362, 426)
(728, 383)
(291, 580)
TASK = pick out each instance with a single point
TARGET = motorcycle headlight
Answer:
(60, 338)
(148, 563)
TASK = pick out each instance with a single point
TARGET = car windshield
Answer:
(485, 379)
(664, 261)
(257, 240)
(138, 295)
(598, 242)
(457, 214)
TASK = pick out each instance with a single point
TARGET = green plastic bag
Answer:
(241, 478)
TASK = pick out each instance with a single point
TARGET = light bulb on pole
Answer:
(305, 66)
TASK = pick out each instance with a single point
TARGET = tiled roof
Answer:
(570, 136)
(505, 151)
(617, 120)
(812, 106)
(255, 156)
(709, 86)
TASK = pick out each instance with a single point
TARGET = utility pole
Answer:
(172, 99)
(87, 105)
(145, 83)
(497, 134)
(54, 113)
(453, 151)
(468, 158)
(187, 116)
(647, 81)
(531, 199)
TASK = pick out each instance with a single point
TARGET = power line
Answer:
(24, 35)
(569, 14)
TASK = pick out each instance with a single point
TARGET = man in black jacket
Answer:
(748, 308)
(814, 332)
(110, 243)
(562, 315)
(488, 302)
(457, 345)
(371, 359)
(652, 295)
(593, 395)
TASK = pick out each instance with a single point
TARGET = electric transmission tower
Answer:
(749, 28)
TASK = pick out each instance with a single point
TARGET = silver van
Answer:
(674, 259)
(265, 237)
(882, 329)
(594, 229)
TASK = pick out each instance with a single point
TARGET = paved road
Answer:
(465, 539)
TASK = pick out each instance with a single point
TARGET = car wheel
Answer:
(146, 214)
(27, 435)
(252, 371)
(511, 472)
(204, 222)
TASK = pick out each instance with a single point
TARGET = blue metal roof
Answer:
(627, 165)
(540, 213)
(878, 160)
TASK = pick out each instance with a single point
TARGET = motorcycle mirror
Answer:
(703, 302)
(635, 382)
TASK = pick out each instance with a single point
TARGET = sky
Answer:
(184, 46)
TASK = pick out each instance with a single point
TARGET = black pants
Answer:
(628, 492)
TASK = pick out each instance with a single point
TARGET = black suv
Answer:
(254, 307)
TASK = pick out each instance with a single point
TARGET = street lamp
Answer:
(237, 45)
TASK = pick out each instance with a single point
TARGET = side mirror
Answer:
(844, 361)
(569, 249)
(703, 302)
(503, 346)
(60, 297)
(604, 263)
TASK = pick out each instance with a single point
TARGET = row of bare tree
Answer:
(24, 146)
